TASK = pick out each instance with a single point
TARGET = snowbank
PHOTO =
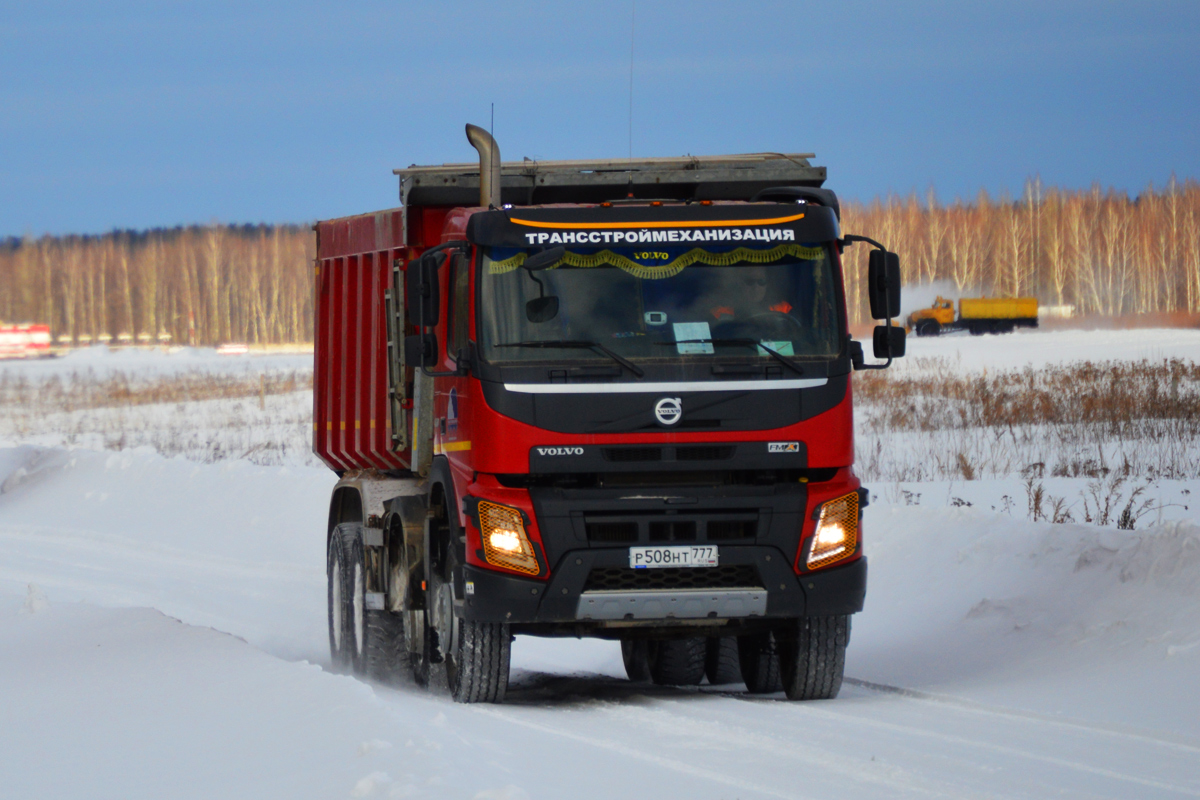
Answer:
(102, 361)
(1038, 348)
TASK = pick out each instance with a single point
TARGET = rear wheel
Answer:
(636, 656)
(339, 648)
(374, 638)
(721, 661)
(759, 660)
(813, 657)
(677, 662)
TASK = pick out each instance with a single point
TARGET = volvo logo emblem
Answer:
(668, 411)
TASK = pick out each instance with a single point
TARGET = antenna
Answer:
(492, 126)
(632, 31)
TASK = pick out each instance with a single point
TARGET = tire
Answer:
(929, 327)
(677, 662)
(375, 638)
(759, 660)
(422, 660)
(387, 659)
(636, 655)
(813, 657)
(339, 648)
(721, 665)
(477, 662)
(475, 655)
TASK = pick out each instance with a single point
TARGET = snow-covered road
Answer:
(174, 646)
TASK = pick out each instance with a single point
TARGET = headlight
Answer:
(504, 541)
(836, 536)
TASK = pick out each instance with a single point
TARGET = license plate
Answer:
(673, 556)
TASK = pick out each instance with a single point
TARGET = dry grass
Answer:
(80, 391)
(263, 417)
(1078, 420)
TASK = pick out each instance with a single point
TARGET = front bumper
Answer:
(596, 586)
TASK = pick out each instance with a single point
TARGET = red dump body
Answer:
(351, 426)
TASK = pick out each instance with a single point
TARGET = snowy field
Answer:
(162, 633)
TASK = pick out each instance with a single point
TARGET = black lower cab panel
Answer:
(752, 589)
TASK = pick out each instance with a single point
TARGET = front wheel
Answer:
(813, 657)
(477, 662)
(476, 655)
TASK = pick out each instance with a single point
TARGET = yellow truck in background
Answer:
(979, 315)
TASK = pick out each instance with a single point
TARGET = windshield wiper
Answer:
(780, 357)
(581, 344)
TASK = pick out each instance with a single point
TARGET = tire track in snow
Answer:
(718, 732)
(631, 752)
(994, 747)
(1163, 740)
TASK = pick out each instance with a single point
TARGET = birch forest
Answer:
(1103, 252)
(197, 285)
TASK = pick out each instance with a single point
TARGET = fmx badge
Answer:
(668, 411)
(783, 447)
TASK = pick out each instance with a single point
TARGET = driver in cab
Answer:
(750, 296)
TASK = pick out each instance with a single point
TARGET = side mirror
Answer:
(422, 291)
(544, 259)
(421, 350)
(883, 284)
(889, 341)
(542, 309)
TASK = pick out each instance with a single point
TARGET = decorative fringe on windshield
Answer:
(671, 268)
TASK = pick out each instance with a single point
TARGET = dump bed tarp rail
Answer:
(727, 177)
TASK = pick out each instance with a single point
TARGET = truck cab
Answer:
(605, 399)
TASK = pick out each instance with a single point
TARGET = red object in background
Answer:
(28, 340)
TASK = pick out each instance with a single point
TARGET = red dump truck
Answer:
(24, 340)
(595, 398)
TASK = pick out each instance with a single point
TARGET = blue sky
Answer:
(141, 114)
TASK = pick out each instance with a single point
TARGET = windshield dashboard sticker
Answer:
(685, 331)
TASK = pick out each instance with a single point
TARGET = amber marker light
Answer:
(505, 543)
(836, 536)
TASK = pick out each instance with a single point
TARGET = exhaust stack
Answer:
(489, 165)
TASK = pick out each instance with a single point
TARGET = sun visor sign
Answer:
(606, 228)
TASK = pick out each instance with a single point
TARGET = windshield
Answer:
(660, 302)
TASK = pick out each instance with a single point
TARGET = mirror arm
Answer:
(851, 238)
(884, 365)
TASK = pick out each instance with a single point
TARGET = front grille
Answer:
(620, 527)
(724, 530)
(674, 531)
(704, 452)
(617, 579)
(632, 454)
(612, 531)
